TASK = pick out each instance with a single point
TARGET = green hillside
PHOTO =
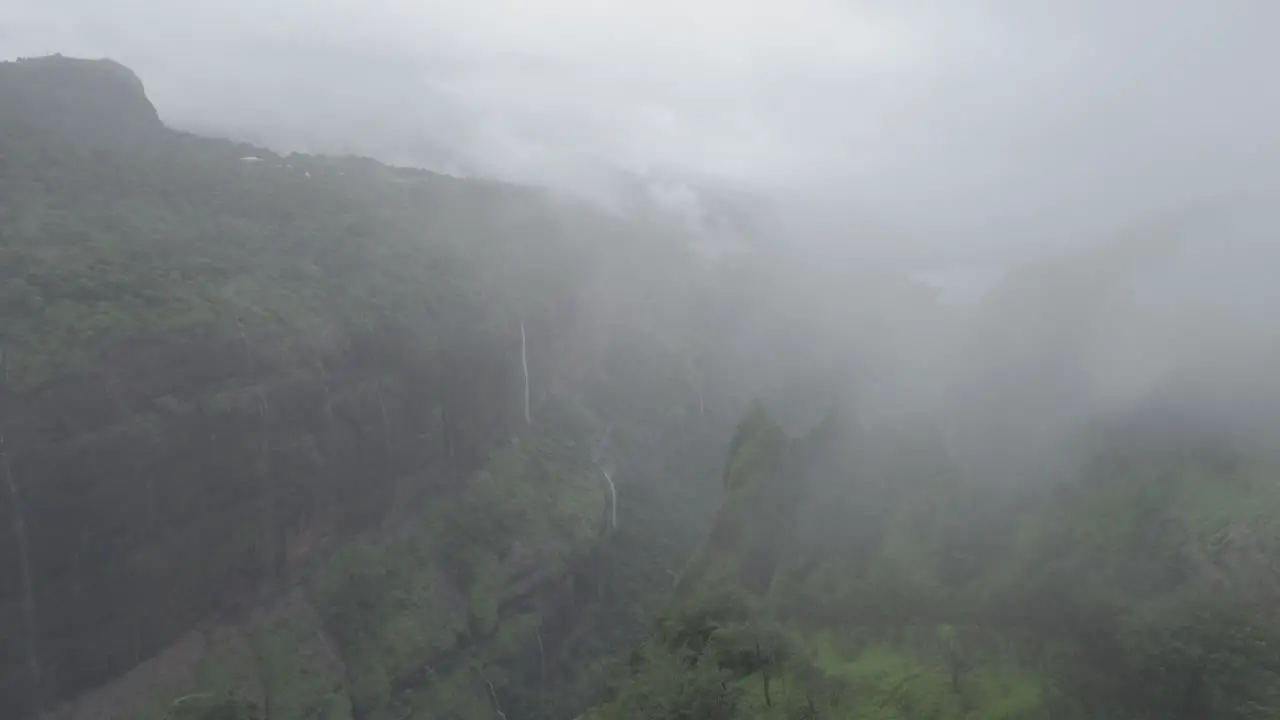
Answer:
(254, 403)
(287, 437)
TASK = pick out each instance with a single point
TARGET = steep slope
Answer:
(320, 436)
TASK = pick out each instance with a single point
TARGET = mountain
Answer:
(323, 437)
(287, 437)
(55, 95)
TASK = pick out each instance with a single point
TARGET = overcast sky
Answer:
(975, 119)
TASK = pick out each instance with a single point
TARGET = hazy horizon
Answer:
(970, 126)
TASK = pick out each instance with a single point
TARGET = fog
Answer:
(960, 126)
(969, 137)
(965, 312)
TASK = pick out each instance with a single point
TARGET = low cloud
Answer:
(980, 123)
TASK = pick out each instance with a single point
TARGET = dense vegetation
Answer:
(252, 405)
(1033, 552)
(306, 438)
(1141, 586)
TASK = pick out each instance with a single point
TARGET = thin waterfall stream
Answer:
(613, 497)
(524, 363)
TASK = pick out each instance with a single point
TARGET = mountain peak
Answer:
(87, 101)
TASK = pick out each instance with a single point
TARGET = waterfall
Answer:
(493, 693)
(613, 505)
(524, 363)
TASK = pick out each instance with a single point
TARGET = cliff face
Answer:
(252, 405)
(97, 104)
